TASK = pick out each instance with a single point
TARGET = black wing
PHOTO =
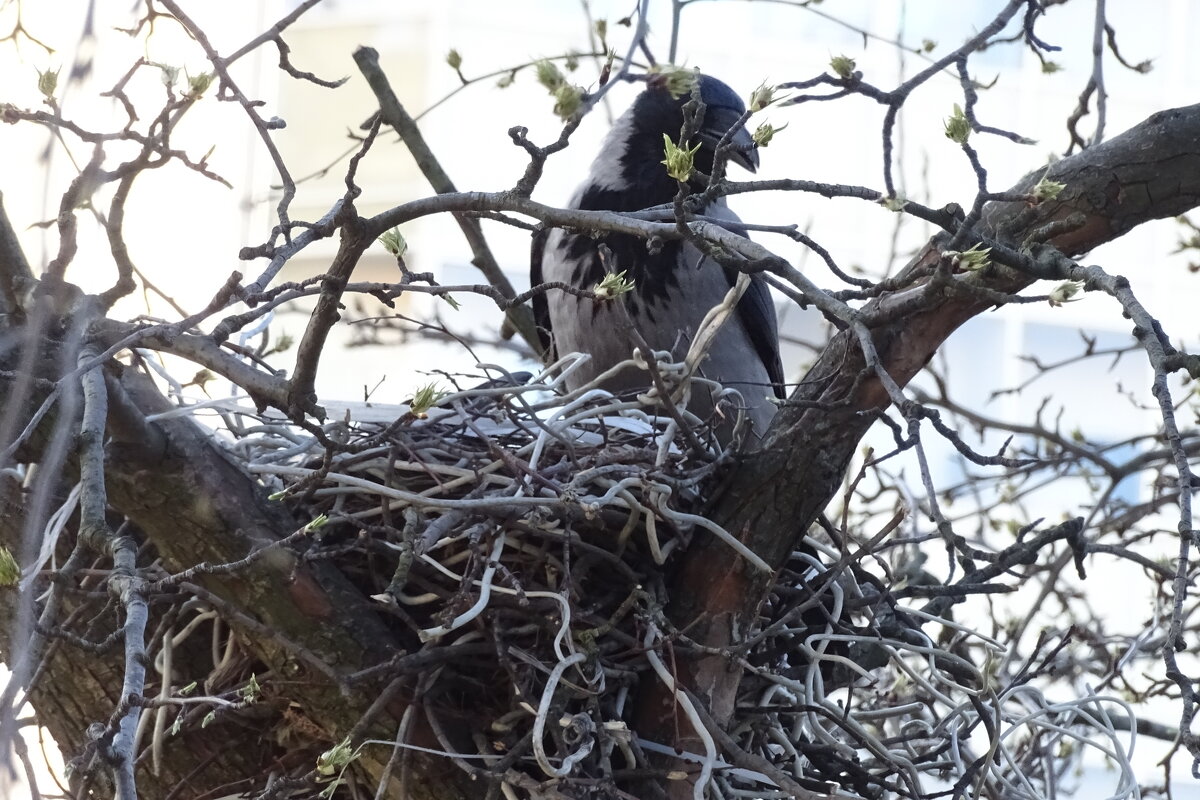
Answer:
(541, 308)
(757, 314)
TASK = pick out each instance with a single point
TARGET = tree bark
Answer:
(194, 505)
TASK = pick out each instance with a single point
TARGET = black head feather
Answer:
(656, 112)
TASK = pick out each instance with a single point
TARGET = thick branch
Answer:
(1150, 172)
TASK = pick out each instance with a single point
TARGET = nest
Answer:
(534, 534)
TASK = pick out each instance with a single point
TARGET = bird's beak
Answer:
(745, 152)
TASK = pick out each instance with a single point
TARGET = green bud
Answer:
(209, 718)
(424, 399)
(186, 690)
(1051, 67)
(1144, 66)
(571, 62)
(601, 29)
(454, 59)
(169, 75)
(198, 84)
(335, 758)
(1064, 292)
(679, 161)
(506, 80)
(317, 523)
(10, 572)
(47, 82)
(762, 97)
(678, 81)
(764, 133)
(606, 70)
(958, 129)
(568, 99)
(1046, 189)
(971, 260)
(393, 241)
(928, 45)
(843, 66)
(548, 75)
(251, 692)
(896, 203)
(614, 284)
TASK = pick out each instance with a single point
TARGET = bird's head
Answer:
(723, 110)
(657, 112)
(628, 173)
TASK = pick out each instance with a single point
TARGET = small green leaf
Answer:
(251, 692)
(1046, 189)
(678, 81)
(425, 398)
(843, 66)
(764, 133)
(958, 129)
(614, 284)
(568, 99)
(548, 75)
(169, 75)
(763, 96)
(971, 260)
(393, 241)
(198, 84)
(680, 161)
(47, 82)
(10, 572)
(1065, 293)
(335, 758)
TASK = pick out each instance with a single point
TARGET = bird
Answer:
(674, 283)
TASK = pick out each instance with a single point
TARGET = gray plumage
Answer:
(674, 286)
